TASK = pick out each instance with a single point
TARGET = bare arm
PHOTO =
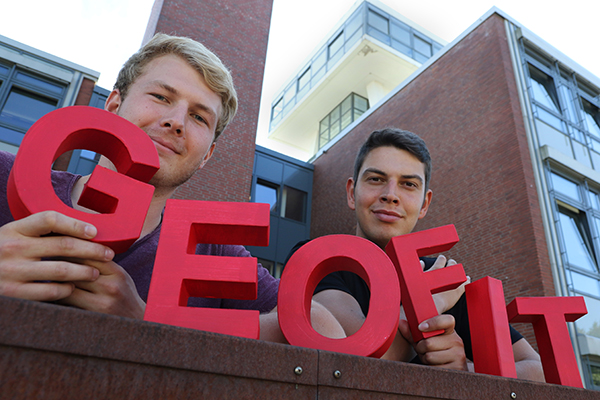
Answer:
(322, 321)
(527, 361)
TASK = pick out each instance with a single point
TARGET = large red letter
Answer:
(322, 256)
(549, 316)
(490, 333)
(122, 196)
(418, 286)
(179, 273)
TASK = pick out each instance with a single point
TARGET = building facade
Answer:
(513, 127)
(33, 83)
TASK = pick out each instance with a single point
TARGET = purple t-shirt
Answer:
(138, 261)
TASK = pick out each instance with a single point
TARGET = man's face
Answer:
(171, 102)
(389, 195)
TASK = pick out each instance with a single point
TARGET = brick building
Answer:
(513, 127)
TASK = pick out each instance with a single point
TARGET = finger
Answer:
(451, 262)
(83, 299)
(404, 329)
(439, 263)
(47, 222)
(443, 322)
(452, 357)
(46, 291)
(63, 247)
(59, 271)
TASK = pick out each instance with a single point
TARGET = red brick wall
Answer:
(466, 107)
(237, 31)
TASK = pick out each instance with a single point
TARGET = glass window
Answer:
(589, 324)
(304, 79)
(378, 22)
(361, 104)
(565, 186)
(569, 109)
(266, 192)
(45, 85)
(4, 70)
(595, 372)
(340, 117)
(422, 46)
(289, 94)
(277, 108)
(336, 45)
(591, 116)
(401, 33)
(293, 203)
(319, 61)
(576, 239)
(353, 24)
(584, 283)
(544, 91)
(23, 108)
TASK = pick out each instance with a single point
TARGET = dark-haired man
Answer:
(389, 193)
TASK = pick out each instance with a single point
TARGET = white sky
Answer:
(102, 34)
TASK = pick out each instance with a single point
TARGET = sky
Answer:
(102, 34)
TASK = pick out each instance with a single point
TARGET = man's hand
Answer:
(112, 293)
(23, 245)
(446, 300)
(445, 350)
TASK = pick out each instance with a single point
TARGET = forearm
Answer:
(531, 370)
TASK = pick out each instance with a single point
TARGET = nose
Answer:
(388, 193)
(174, 120)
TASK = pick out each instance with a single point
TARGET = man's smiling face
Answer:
(389, 195)
(171, 102)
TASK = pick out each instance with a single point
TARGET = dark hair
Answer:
(403, 140)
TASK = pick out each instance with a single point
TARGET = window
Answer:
(350, 109)
(544, 91)
(591, 117)
(277, 109)
(293, 204)
(336, 45)
(266, 192)
(378, 22)
(304, 79)
(26, 99)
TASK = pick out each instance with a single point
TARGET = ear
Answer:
(350, 193)
(426, 203)
(208, 155)
(113, 102)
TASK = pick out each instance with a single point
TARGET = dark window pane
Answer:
(4, 70)
(23, 108)
(294, 202)
(266, 193)
(54, 88)
(11, 136)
